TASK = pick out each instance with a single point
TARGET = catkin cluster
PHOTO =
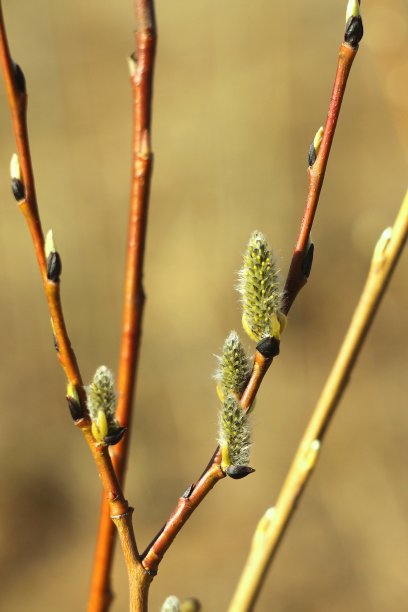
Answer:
(263, 320)
(234, 437)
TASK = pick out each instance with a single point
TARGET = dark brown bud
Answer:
(312, 155)
(268, 347)
(74, 408)
(18, 190)
(19, 79)
(308, 260)
(54, 267)
(238, 471)
(354, 31)
(115, 437)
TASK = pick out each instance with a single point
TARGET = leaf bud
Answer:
(74, 404)
(354, 24)
(315, 146)
(19, 79)
(17, 185)
(54, 266)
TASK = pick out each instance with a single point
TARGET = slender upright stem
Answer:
(272, 526)
(141, 74)
(296, 277)
(295, 281)
(115, 500)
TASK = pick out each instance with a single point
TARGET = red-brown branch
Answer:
(295, 281)
(141, 68)
(296, 278)
(115, 501)
(196, 493)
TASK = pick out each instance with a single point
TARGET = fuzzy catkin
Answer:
(234, 433)
(101, 402)
(172, 604)
(234, 367)
(260, 289)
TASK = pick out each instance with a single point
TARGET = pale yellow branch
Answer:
(271, 527)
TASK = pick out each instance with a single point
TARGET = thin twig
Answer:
(118, 506)
(141, 74)
(272, 526)
(296, 279)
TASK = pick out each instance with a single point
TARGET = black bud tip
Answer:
(115, 437)
(54, 267)
(308, 260)
(188, 491)
(312, 155)
(354, 31)
(238, 471)
(74, 408)
(19, 79)
(268, 347)
(18, 190)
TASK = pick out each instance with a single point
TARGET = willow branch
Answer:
(141, 74)
(272, 526)
(297, 277)
(24, 191)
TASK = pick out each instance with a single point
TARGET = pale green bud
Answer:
(132, 65)
(15, 168)
(172, 604)
(353, 9)
(190, 605)
(315, 146)
(49, 244)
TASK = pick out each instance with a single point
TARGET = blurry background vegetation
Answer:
(240, 90)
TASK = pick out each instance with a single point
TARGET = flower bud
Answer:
(101, 401)
(261, 292)
(234, 367)
(234, 437)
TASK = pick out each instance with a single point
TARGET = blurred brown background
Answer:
(240, 89)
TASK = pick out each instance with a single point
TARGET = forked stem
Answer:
(141, 76)
(297, 278)
(272, 526)
(27, 202)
